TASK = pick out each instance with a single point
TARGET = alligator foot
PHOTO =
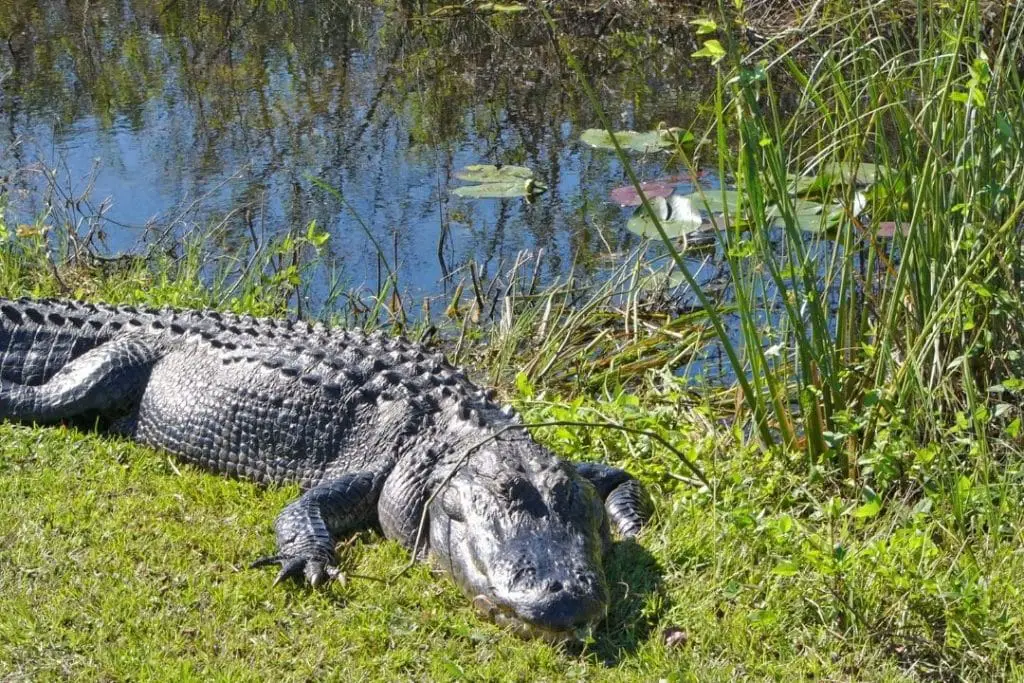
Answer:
(309, 528)
(627, 505)
(315, 571)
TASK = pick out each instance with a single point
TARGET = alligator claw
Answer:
(290, 568)
(316, 572)
(265, 561)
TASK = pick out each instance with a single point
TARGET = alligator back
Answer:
(40, 336)
(271, 400)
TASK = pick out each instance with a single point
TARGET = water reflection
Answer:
(179, 113)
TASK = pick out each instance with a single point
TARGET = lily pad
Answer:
(659, 187)
(811, 185)
(499, 190)
(497, 182)
(716, 201)
(832, 174)
(815, 217)
(888, 229)
(800, 207)
(860, 173)
(489, 173)
(627, 194)
(677, 215)
(628, 139)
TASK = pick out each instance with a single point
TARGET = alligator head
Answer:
(523, 536)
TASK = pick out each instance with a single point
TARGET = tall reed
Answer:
(847, 332)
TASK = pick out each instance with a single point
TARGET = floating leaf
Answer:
(806, 214)
(815, 217)
(888, 229)
(716, 201)
(627, 194)
(811, 185)
(676, 214)
(522, 188)
(799, 208)
(488, 173)
(498, 182)
(860, 173)
(831, 174)
(659, 187)
(627, 139)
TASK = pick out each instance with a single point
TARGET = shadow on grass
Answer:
(634, 576)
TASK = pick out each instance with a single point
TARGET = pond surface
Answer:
(135, 118)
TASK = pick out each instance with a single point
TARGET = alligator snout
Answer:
(554, 598)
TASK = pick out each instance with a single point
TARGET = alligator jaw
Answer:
(505, 617)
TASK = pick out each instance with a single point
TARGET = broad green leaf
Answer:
(868, 509)
(514, 188)
(832, 174)
(524, 385)
(798, 207)
(811, 185)
(860, 173)
(704, 26)
(814, 217)
(712, 49)
(488, 173)
(677, 216)
(627, 194)
(786, 568)
(807, 215)
(627, 139)
(716, 201)
(497, 182)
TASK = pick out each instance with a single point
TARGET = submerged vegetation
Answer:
(843, 498)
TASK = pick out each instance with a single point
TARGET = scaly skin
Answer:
(377, 430)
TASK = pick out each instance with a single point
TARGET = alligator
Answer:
(378, 431)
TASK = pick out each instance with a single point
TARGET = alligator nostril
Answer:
(554, 586)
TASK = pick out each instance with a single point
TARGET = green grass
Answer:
(118, 564)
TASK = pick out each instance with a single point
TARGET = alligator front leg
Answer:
(106, 381)
(627, 505)
(311, 526)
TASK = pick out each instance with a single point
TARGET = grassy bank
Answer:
(865, 513)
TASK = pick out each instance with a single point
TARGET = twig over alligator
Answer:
(378, 431)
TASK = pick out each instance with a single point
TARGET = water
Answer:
(140, 117)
